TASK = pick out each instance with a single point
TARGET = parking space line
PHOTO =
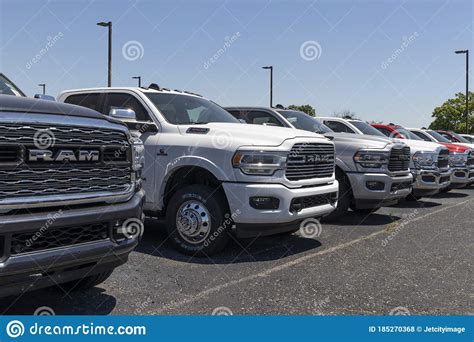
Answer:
(266, 273)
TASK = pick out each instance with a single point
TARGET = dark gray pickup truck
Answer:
(70, 194)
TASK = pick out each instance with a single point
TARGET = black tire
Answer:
(218, 214)
(87, 282)
(344, 198)
(365, 211)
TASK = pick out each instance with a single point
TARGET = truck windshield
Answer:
(305, 122)
(189, 110)
(460, 138)
(8, 88)
(407, 134)
(438, 136)
(367, 129)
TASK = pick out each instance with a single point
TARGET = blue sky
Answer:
(384, 60)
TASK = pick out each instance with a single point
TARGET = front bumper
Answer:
(394, 189)
(430, 182)
(460, 177)
(28, 271)
(239, 194)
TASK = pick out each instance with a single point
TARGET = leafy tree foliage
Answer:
(308, 109)
(451, 115)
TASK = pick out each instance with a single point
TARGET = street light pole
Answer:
(466, 52)
(108, 24)
(271, 82)
(139, 78)
(43, 85)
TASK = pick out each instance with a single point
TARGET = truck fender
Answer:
(186, 161)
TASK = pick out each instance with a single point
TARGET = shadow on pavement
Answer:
(155, 243)
(422, 203)
(355, 219)
(451, 194)
(90, 302)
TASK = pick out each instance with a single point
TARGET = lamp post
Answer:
(108, 24)
(43, 85)
(466, 52)
(139, 78)
(270, 67)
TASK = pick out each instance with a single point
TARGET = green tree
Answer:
(451, 115)
(308, 109)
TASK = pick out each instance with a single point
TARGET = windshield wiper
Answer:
(193, 123)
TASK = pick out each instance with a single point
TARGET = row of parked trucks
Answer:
(78, 176)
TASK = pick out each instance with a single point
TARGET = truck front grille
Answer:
(310, 160)
(470, 159)
(399, 159)
(443, 159)
(301, 203)
(23, 175)
(44, 238)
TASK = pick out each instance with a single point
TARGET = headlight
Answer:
(457, 159)
(371, 159)
(263, 163)
(424, 159)
(138, 155)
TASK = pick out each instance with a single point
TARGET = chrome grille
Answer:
(470, 159)
(310, 160)
(399, 159)
(22, 177)
(83, 136)
(443, 159)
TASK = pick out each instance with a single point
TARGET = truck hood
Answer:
(237, 134)
(419, 145)
(362, 141)
(9, 103)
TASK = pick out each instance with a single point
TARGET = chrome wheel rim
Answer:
(193, 222)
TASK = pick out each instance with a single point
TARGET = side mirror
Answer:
(123, 113)
(45, 97)
(242, 121)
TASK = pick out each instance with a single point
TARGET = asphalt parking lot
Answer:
(414, 258)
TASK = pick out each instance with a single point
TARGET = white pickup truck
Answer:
(208, 175)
